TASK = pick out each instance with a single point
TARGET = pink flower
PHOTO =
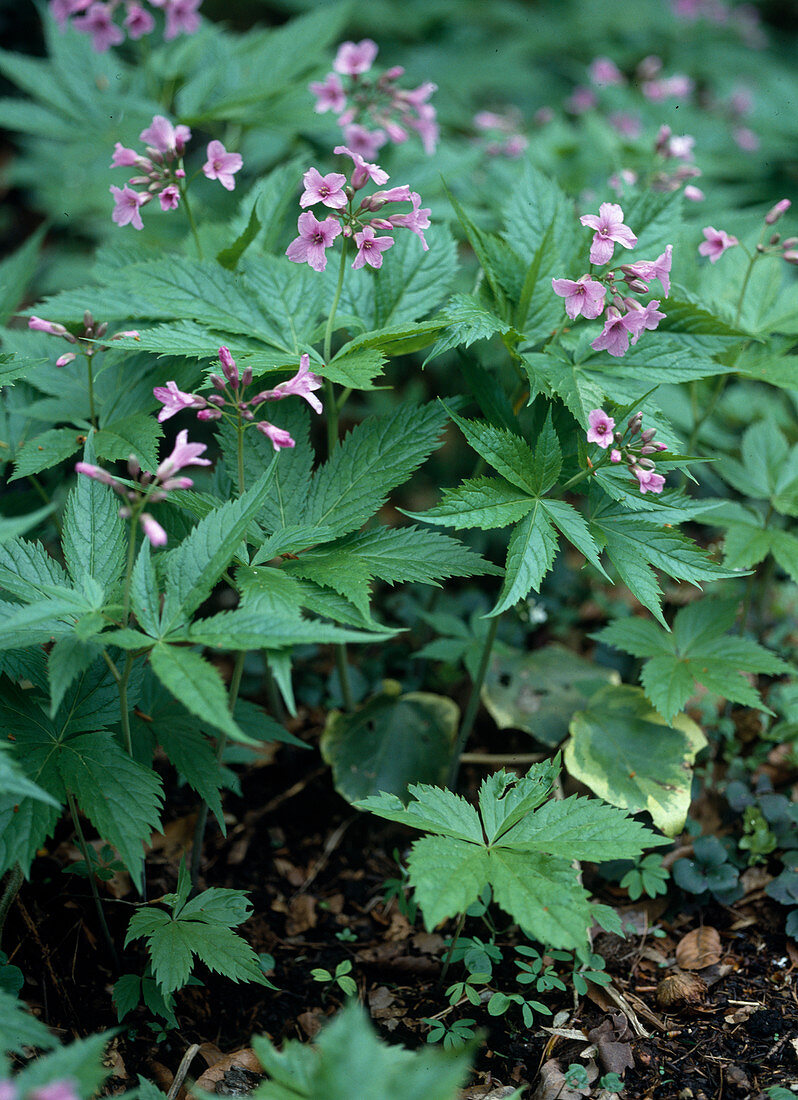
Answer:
(626, 124)
(8, 1090)
(601, 428)
(650, 482)
(693, 194)
(314, 237)
(52, 328)
(98, 23)
(326, 189)
(329, 94)
(639, 318)
(165, 138)
(716, 243)
(170, 197)
(138, 21)
(184, 454)
(615, 337)
(97, 473)
(302, 384)
(278, 437)
(126, 210)
(745, 139)
(615, 456)
(363, 170)
(365, 142)
(61, 10)
(426, 127)
(609, 228)
(604, 71)
(65, 360)
(152, 529)
(221, 165)
(354, 58)
(174, 400)
(581, 100)
(126, 158)
(653, 269)
(370, 248)
(56, 1090)
(416, 221)
(583, 296)
(775, 212)
(181, 18)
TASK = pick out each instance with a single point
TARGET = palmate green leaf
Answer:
(121, 798)
(44, 451)
(433, 809)
(138, 434)
(580, 828)
(16, 271)
(28, 572)
(253, 629)
(530, 555)
(485, 502)
(20, 1030)
(697, 651)
(506, 452)
(197, 685)
(94, 537)
(68, 658)
(543, 895)
(195, 566)
(478, 240)
(655, 218)
(574, 526)
(11, 527)
(580, 389)
(372, 459)
(13, 781)
(356, 369)
(447, 875)
(144, 595)
(504, 798)
(80, 1062)
(465, 320)
(415, 281)
(767, 464)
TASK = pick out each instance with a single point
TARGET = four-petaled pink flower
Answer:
(604, 72)
(138, 21)
(365, 142)
(65, 1089)
(127, 203)
(650, 481)
(174, 400)
(302, 384)
(184, 454)
(314, 237)
(329, 94)
(278, 436)
(639, 318)
(370, 248)
(716, 243)
(221, 165)
(363, 170)
(326, 189)
(165, 138)
(98, 23)
(169, 198)
(354, 58)
(653, 269)
(583, 296)
(615, 337)
(181, 18)
(601, 428)
(610, 230)
(416, 221)
(126, 158)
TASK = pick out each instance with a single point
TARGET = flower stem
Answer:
(13, 883)
(447, 960)
(191, 222)
(751, 261)
(84, 848)
(90, 376)
(240, 441)
(473, 702)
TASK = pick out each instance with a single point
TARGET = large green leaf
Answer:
(530, 554)
(94, 538)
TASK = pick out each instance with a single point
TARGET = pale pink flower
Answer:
(627, 125)
(52, 328)
(138, 21)
(745, 139)
(354, 58)
(98, 23)
(416, 221)
(329, 95)
(97, 473)
(165, 138)
(65, 360)
(604, 71)
(174, 400)
(609, 229)
(615, 455)
(278, 436)
(325, 189)
(583, 296)
(181, 18)
(693, 194)
(370, 248)
(314, 238)
(653, 269)
(126, 208)
(650, 482)
(57, 1090)
(183, 454)
(302, 384)
(581, 100)
(775, 212)
(152, 529)
(221, 165)
(169, 198)
(61, 10)
(8, 1090)
(716, 243)
(363, 171)
(365, 142)
(614, 338)
(601, 428)
(426, 126)
(127, 158)
(640, 318)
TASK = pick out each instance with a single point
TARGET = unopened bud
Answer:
(347, 231)
(101, 330)
(648, 434)
(218, 381)
(775, 238)
(647, 449)
(660, 446)
(62, 360)
(133, 466)
(246, 377)
(760, 248)
(88, 320)
(209, 414)
(215, 399)
(634, 422)
(618, 302)
(637, 285)
(618, 436)
(180, 173)
(790, 242)
(646, 464)
(791, 257)
(775, 212)
(229, 367)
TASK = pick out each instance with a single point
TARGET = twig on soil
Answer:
(500, 759)
(182, 1070)
(332, 842)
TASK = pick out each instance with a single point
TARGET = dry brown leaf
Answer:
(551, 1083)
(176, 839)
(245, 1058)
(612, 1037)
(680, 989)
(699, 948)
(311, 1022)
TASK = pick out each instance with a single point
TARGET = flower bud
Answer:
(775, 212)
(790, 242)
(218, 381)
(62, 360)
(637, 285)
(648, 449)
(88, 320)
(646, 464)
(209, 414)
(775, 238)
(760, 248)
(101, 330)
(216, 399)
(229, 367)
(634, 422)
(615, 456)
(246, 377)
(648, 434)
(791, 257)
(133, 466)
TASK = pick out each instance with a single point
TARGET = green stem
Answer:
(202, 816)
(191, 222)
(473, 701)
(745, 610)
(452, 945)
(751, 261)
(240, 433)
(84, 848)
(124, 709)
(131, 558)
(13, 883)
(90, 375)
(331, 319)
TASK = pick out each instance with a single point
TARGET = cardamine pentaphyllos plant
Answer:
(99, 18)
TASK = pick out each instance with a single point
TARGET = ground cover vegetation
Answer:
(397, 552)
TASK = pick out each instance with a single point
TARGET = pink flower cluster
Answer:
(88, 339)
(333, 191)
(149, 488)
(161, 171)
(373, 111)
(64, 1089)
(625, 318)
(634, 452)
(671, 147)
(230, 401)
(717, 241)
(502, 133)
(97, 18)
